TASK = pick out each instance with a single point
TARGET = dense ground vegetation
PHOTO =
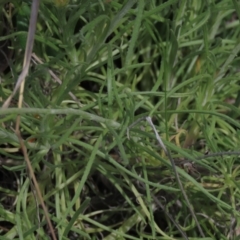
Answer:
(97, 68)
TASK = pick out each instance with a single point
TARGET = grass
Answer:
(97, 68)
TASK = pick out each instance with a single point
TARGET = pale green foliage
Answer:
(175, 61)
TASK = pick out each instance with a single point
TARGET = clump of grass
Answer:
(96, 68)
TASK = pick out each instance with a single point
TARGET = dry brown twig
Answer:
(149, 120)
(20, 85)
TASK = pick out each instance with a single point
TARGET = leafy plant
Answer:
(97, 67)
